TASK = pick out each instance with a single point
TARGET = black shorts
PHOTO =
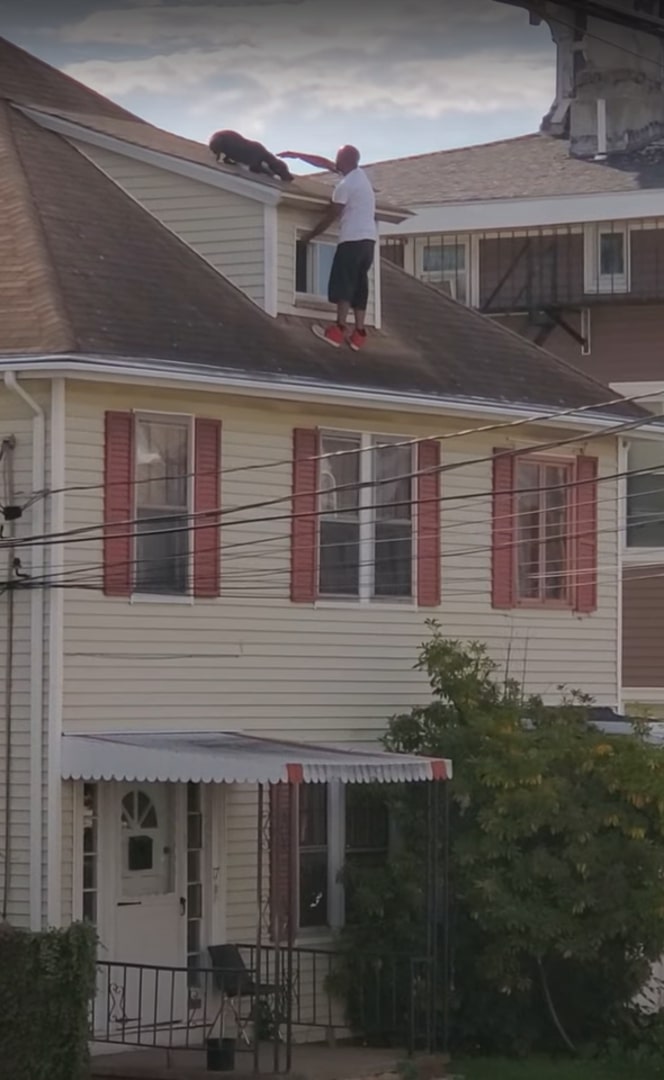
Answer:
(349, 276)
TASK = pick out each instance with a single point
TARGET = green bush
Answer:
(47, 982)
(556, 863)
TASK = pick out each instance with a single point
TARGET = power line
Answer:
(503, 425)
(83, 533)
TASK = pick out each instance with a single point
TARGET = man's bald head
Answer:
(348, 158)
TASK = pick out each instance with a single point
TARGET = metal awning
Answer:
(235, 758)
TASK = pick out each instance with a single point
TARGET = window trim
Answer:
(434, 277)
(366, 545)
(186, 597)
(565, 603)
(594, 281)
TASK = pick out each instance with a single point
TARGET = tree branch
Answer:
(552, 1009)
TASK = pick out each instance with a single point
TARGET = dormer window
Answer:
(313, 263)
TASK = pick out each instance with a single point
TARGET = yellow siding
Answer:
(291, 220)
(225, 229)
(252, 660)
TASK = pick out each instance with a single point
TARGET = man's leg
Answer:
(340, 290)
(361, 299)
(343, 307)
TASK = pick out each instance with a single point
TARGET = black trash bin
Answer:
(220, 1055)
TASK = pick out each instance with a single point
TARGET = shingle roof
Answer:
(85, 269)
(530, 166)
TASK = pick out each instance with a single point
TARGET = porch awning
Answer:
(235, 758)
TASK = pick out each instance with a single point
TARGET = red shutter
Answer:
(283, 860)
(304, 530)
(502, 568)
(118, 502)
(585, 518)
(207, 506)
(428, 524)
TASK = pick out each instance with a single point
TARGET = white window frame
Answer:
(174, 418)
(594, 281)
(312, 293)
(367, 533)
(445, 279)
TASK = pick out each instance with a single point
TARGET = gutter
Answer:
(36, 649)
(91, 368)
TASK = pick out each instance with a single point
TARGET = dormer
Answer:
(248, 227)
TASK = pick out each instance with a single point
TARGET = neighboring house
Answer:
(559, 236)
(233, 534)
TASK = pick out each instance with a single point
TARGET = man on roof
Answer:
(353, 206)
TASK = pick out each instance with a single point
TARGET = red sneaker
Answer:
(358, 340)
(334, 334)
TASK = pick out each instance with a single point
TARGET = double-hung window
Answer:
(366, 517)
(162, 504)
(543, 526)
(607, 259)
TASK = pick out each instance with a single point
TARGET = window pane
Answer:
(393, 568)
(339, 522)
(301, 258)
(339, 558)
(162, 452)
(140, 853)
(323, 255)
(313, 888)
(313, 815)
(437, 258)
(367, 821)
(527, 506)
(555, 543)
(162, 549)
(90, 907)
(611, 253)
(194, 830)
(393, 562)
(645, 510)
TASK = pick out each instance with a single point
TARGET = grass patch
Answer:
(546, 1069)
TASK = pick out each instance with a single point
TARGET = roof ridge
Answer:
(455, 149)
(558, 361)
(34, 221)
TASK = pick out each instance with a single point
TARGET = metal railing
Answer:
(299, 994)
(535, 269)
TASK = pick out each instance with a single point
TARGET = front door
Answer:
(150, 914)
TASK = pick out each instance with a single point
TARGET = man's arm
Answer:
(310, 159)
(329, 217)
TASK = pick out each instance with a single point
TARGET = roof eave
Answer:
(147, 372)
(264, 193)
(478, 215)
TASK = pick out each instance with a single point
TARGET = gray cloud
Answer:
(265, 57)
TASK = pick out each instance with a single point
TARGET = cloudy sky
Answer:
(394, 77)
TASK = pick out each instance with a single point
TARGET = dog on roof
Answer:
(236, 150)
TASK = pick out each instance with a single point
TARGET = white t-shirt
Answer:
(356, 195)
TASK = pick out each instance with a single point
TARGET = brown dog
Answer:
(237, 150)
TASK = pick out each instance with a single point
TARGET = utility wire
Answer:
(83, 533)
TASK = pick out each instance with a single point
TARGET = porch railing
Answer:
(296, 998)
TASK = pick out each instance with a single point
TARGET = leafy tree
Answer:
(556, 864)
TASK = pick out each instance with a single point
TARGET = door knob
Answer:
(183, 905)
